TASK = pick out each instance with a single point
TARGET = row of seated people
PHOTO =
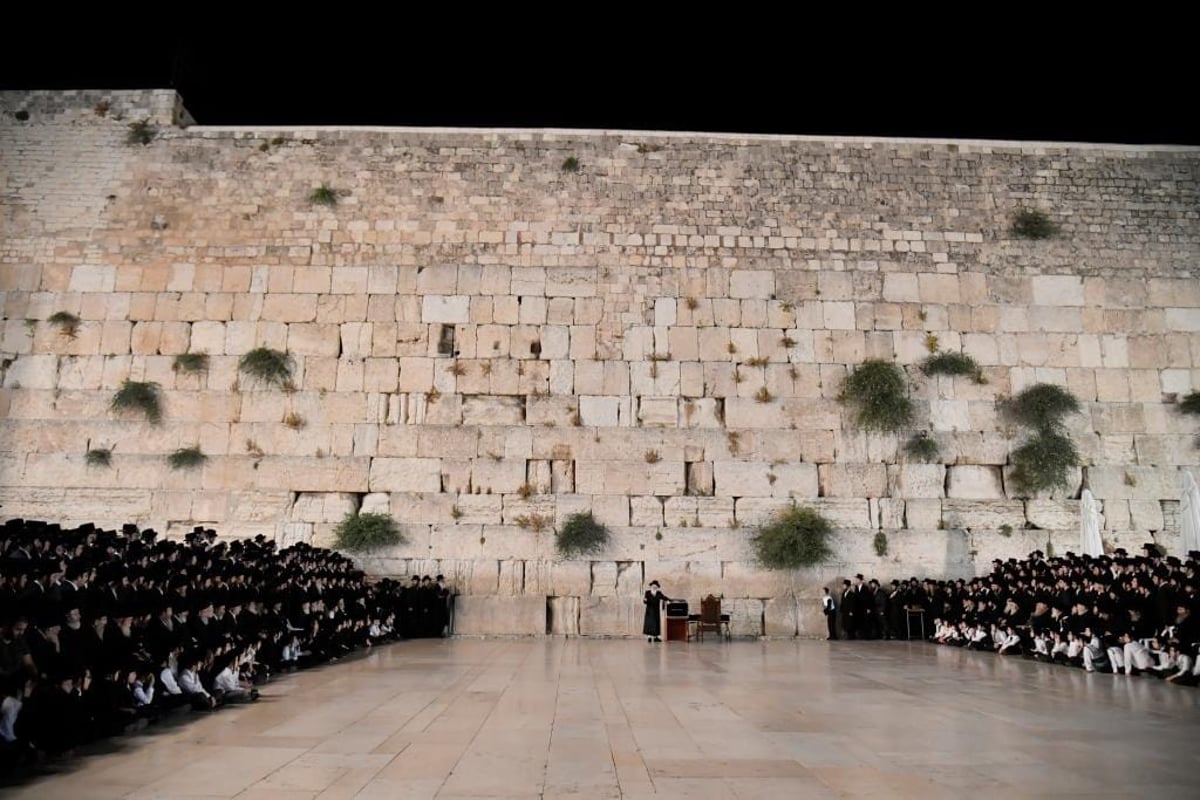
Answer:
(1118, 613)
(103, 632)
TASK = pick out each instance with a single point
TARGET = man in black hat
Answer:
(848, 608)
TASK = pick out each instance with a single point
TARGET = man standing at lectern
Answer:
(652, 624)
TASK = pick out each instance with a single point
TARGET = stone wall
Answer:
(483, 336)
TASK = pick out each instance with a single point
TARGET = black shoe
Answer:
(657, 639)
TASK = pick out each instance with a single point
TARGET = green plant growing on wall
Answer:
(1190, 404)
(1045, 459)
(141, 132)
(878, 392)
(1043, 462)
(190, 363)
(580, 535)
(1032, 224)
(570, 164)
(881, 544)
(267, 366)
(763, 395)
(1006, 530)
(952, 364)
(1041, 406)
(922, 447)
(367, 531)
(141, 397)
(795, 537)
(66, 322)
(186, 458)
(323, 195)
(99, 457)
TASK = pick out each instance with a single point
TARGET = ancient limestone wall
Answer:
(484, 337)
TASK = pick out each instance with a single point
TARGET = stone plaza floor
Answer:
(554, 718)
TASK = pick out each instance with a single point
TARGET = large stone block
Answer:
(974, 483)
(991, 515)
(405, 475)
(738, 479)
(492, 615)
(1132, 483)
(917, 480)
(610, 615)
(853, 480)
(1053, 514)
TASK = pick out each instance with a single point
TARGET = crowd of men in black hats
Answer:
(103, 632)
(1118, 614)
(867, 610)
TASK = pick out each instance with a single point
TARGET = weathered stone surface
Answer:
(489, 614)
(405, 475)
(917, 480)
(448, 349)
(974, 483)
(989, 515)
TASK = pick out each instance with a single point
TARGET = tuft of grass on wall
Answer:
(187, 458)
(267, 366)
(66, 322)
(190, 363)
(144, 398)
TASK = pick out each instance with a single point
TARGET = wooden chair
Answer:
(711, 618)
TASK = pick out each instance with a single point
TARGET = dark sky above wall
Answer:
(963, 95)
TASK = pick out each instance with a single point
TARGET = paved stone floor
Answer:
(607, 719)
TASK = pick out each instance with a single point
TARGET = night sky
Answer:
(953, 95)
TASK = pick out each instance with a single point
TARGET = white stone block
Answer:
(376, 503)
(405, 475)
(1053, 514)
(970, 482)
(665, 311)
(989, 515)
(445, 308)
(917, 480)
(746, 283)
(599, 411)
(645, 512)
(949, 415)
(658, 412)
(493, 410)
(1057, 290)
(498, 477)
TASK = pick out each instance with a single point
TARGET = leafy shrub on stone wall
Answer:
(1045, 459)
(945, 363)
(795, 537)
(580, 535)
(878, 391)
(922, 447)
(1042, 406)
(367, 531)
